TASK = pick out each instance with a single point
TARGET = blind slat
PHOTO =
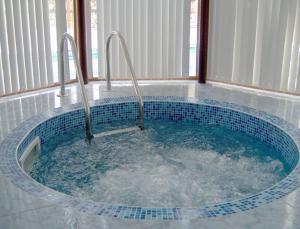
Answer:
(12, 46)
(262, 6)
(178, 38)
(122, 27)
(106, 23)
(47, 38)
(288, 44)
(88, 22)
(136, 31)
(165, 37)
(129, 36)
(114, 18)
(271, 47)
(4, 51)
(41, 42)
(151, 10)
(2, 90)
(144, 36)
(243, 59)
(179, 11)
(61, 28)
(101, 39)
(108, 27)
(185, 57)
(294, 64)
(34, 44)
(171, 40)
(19, 44)
(27, 45)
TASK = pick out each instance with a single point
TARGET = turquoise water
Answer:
(168, 164)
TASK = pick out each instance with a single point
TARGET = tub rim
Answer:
(210, 210)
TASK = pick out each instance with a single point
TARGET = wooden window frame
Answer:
(80, 36)
(202, 38)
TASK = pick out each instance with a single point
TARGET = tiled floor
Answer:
(21, 210)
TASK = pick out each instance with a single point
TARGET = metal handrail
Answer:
(85, 102)
(133, 76)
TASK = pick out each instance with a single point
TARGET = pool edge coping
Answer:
(194, 212)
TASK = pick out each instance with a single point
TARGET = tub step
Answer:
(113, 132)
(30, 154)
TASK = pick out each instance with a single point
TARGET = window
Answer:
(170, 53)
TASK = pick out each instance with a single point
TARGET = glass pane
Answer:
(118, 23)
(193, 37)
(94, 36)
(53, 34)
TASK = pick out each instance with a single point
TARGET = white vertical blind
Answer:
(88, 22)
(48, 51)
(11, 43)
(1, 76)
(61, 28)
(34, 46)
(19, 43)
(25, 44)
(4, 52)
(41, 42)
(156, 32)
(256, 43)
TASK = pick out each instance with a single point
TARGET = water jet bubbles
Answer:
(167, 165)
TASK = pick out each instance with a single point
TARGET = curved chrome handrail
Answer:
(85, 102)
(133, 76)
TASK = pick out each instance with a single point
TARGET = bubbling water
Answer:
(168, 164)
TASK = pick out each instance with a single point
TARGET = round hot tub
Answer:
(195, 158)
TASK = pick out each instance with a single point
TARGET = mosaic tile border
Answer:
(10, 168)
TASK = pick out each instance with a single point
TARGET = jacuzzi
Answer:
(280, 138)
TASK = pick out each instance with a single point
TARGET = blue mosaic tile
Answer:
(281, 135)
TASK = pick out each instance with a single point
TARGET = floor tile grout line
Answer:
(28, 210)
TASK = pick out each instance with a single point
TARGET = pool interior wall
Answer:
(171, 108)
(176, 111)
(169, 163)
